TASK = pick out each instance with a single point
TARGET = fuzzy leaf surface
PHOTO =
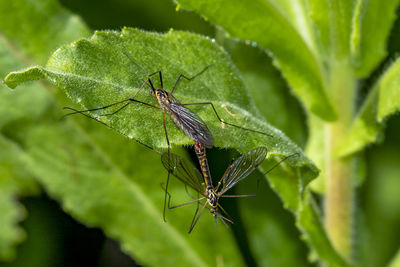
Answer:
(94, 72)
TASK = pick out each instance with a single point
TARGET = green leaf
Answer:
(371, 25)
(263, 23)
(381, 200)
(341, 14)
(395, 262)
(91, 171)
(296, 12)
(273, 224)
(258, 72)
(18, 105)
(319, 15)
(382, 101)
(96, 73)
(152, 15)
(12, 212)
(315, 149)
(309, 222)
(29, 31)
(35, 29)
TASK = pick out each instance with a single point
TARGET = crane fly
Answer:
(190, 176)
(191, 124)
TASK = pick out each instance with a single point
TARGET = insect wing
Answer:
(184, 171)
(242, 167)
(191, 124)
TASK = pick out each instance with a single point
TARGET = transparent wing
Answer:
(184, 171)
(242, 167)
(191, 124)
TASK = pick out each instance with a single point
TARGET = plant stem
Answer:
(339, 198)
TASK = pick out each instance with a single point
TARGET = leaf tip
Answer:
(15, 78)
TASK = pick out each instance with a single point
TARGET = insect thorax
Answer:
(161, 96)
(212, 198)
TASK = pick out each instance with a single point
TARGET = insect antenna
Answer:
(142, 70)
(136, 64)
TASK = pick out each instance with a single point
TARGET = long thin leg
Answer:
(187, 203)
(131, 101)
(187, 192)
(198, 217)
(224, 122)
(109, 126)
(252, 195)
(187, 78)
(165, 198)
(229, 220)
(277, 164)
(223, 176)
(93, 109)
(223, 219)
(107, 114)
(195, 213)
(113, 104)
(166, 133)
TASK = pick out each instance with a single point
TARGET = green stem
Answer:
(339, 198)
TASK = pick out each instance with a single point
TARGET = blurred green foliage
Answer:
(110, 183)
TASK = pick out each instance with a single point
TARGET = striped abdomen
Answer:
(201, 155)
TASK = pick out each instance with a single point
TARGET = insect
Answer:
(190, 176)
(191, 124)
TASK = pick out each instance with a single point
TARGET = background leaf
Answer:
(382, 101)
(320, 21)
(341, 18)
(11, 211)
(262, 23)
(268, 89)
(371, 26)
(25, 30)
(380, 200)
(33, 30)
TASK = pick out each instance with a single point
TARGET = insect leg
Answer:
(109, 126)
(167, 195)
(188, 78)
(187, 203)
(223, 121)
(166, 133)
(198, 217)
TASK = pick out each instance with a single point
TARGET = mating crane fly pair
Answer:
(197, 130)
